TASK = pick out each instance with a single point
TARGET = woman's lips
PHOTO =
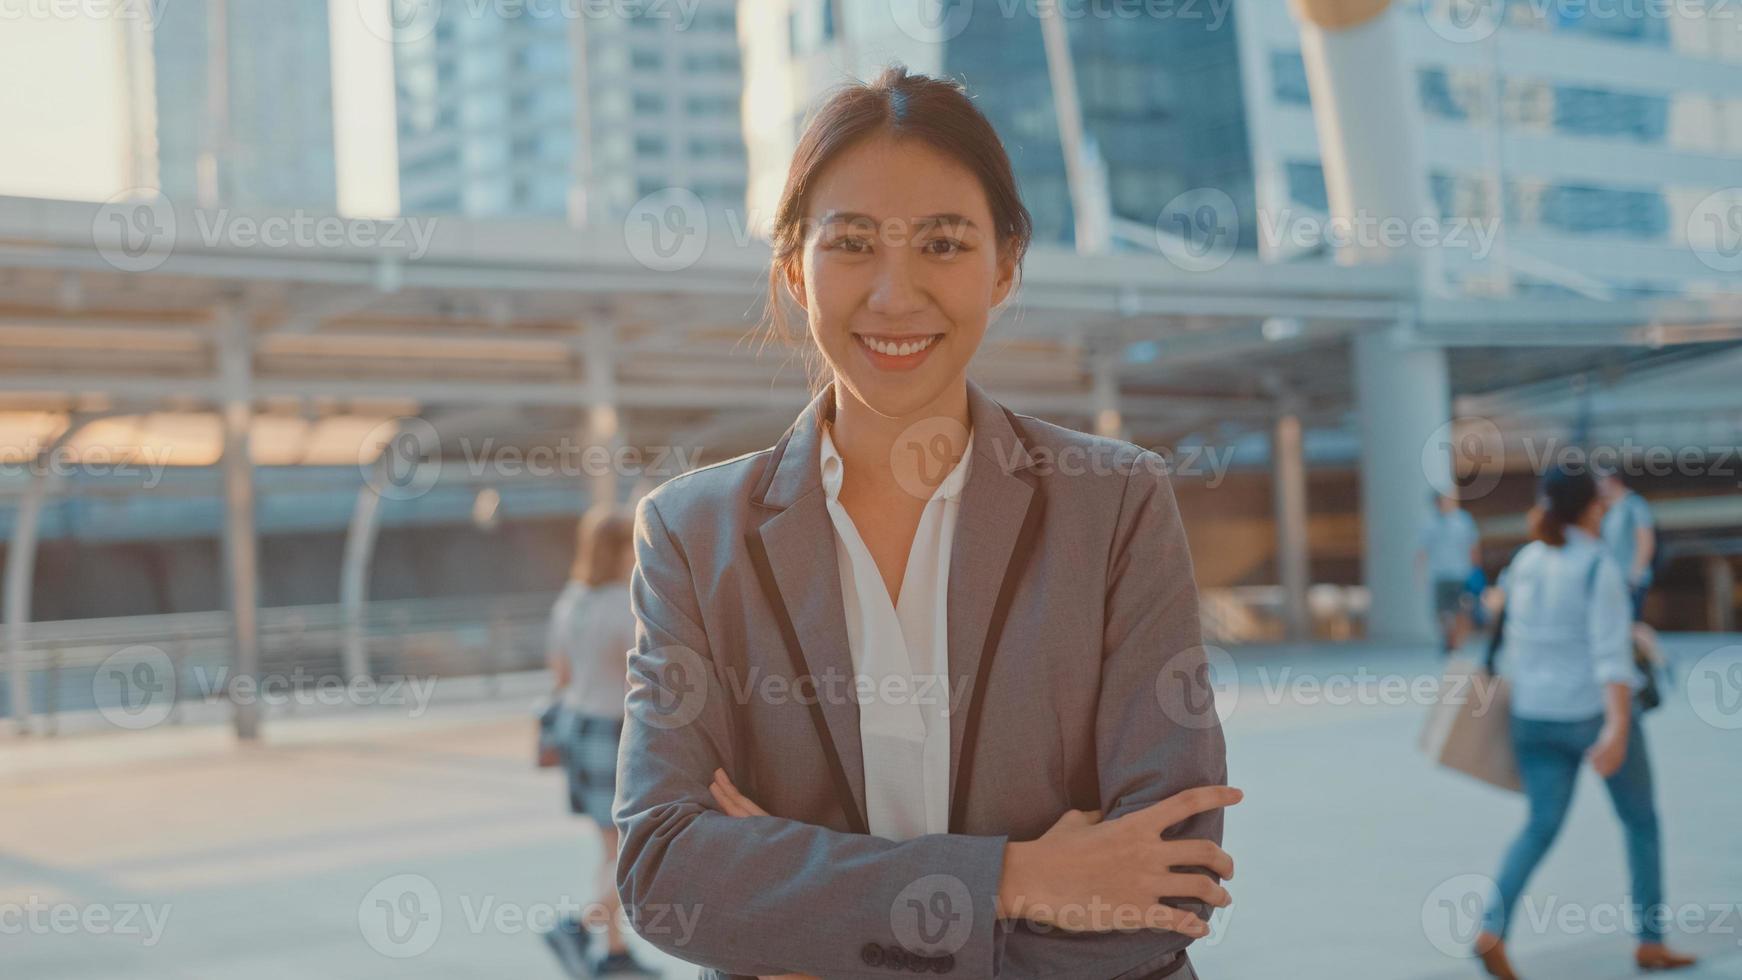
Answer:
(889, 358)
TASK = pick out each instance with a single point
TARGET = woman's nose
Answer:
(894, 291)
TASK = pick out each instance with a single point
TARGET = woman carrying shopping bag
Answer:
(1567, 654)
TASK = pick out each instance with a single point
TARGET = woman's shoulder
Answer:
(1089, 460)
(707, 496)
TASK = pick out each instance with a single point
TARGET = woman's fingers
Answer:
(734, 803)
(1198, 853)
(1189, 885)
(1185, 804)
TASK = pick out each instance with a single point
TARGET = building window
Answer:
(649, 145)
(643, 59)
(649, 102)
(1288, 79)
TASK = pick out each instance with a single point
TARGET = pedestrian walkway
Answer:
(364, 846)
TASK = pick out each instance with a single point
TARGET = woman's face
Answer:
(899, 272)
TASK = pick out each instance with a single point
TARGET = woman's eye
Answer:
(850, 243)
(944, 246)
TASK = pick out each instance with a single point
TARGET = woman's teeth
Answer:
(897, 350)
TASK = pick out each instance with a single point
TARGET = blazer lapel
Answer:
(803, 586)
(996, 521)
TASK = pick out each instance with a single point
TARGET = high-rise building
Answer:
(246, 121)
(1160, 97)
(554, 110)
(1603, 126)
(1608, 132)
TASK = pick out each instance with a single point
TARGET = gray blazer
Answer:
(1077, 680)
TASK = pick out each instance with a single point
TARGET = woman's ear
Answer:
(1006, 281)
(793, 273)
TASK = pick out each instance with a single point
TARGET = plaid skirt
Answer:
(590, 757)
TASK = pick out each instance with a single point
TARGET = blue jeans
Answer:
(1549, 756)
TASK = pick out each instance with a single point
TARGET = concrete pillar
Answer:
(1290, 499)
(1720, 595)
(603, 425)
(241, 561)
(1365, 114)
(21, 570)
(1104, 369)
(1404, 397)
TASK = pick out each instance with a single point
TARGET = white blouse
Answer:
(900, 659)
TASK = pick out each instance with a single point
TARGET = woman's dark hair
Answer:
(937, 112)
(1566, 493)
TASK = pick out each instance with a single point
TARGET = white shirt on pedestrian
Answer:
(593, 627)
(900, 655)
(1569, 629)
(1448, 539)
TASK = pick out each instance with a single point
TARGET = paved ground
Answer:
(371, 844)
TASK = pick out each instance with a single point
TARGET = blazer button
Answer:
(943, 964)
(896, 958)
(872, 954)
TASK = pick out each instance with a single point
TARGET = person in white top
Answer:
(1450, 550)
(592, 629)
(1567, 652)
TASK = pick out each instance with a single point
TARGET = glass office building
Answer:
(251, 122)
(546, 110)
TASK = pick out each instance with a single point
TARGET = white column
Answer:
(1367, 121)
(235, 374)
(1404, 398)
(1104, 368)
(603, 424)
(1290, 500)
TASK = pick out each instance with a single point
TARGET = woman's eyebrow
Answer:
(924, 222)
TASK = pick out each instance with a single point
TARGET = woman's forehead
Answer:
(898, 179)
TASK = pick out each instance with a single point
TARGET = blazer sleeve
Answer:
(1156, 728)
(756, 895)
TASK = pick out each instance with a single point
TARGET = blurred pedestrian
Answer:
(1450, 551)
(592, 630)
(1567, 652)
(1630, 534)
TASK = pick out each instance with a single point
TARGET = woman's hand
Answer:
(1608, 752)
(736, 804)
(1084, 875)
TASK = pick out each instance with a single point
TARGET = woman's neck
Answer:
(868, 441)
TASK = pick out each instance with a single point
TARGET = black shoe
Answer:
(619, 965)
(569, 944)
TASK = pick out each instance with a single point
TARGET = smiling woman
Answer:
(1051, 805)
